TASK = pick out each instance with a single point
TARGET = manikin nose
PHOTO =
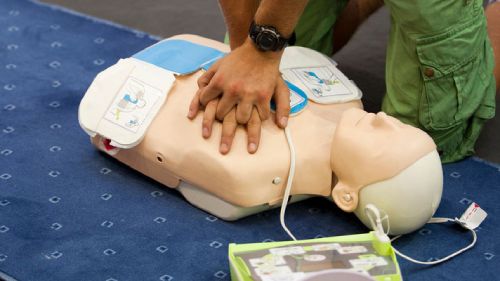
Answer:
(383, 120)
(366, 119)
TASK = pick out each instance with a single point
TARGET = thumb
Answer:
(208, 75)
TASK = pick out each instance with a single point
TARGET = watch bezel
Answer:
(267, 40)
(261, 33)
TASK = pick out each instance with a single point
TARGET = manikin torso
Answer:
(339, 150)
(174, 150)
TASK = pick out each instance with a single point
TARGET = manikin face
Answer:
(369, 148)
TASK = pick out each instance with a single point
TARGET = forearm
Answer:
(493, 18)
(282, 14)
(238, 14)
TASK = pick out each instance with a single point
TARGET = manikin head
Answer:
(379, 160)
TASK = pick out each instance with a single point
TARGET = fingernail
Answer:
(223, 148)
(284, 121)
(190, 113)
(252, 147)
(205, 132)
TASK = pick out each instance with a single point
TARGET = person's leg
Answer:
(439, 71)
(353, 15)
(493, 17)
(314, 29)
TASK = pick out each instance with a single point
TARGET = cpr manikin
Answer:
(341, 152)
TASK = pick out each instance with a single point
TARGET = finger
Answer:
(208, 118)
(210, 91)
(207, 76)
(225, 105)
(194, 107)
(244, 111)
(264, 104)
(228, 130)
(203, 81)
(253, 129)
(282, 100)
(264, 110)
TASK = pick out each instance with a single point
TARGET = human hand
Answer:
(230, 120)
(229, 125)
(246, 78)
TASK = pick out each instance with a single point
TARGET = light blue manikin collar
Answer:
(179, 56)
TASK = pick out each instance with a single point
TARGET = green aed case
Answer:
(363, 255)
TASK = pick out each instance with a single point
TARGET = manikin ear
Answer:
(345, 197)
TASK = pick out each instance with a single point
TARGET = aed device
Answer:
(359, 257)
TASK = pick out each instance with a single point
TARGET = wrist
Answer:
(268, 38)
(236, 41)
(275, 56)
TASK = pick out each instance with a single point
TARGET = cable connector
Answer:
(376, 224)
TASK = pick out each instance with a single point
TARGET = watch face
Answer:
(267, 40)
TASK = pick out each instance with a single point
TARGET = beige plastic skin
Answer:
(369, 148)
(173, 150)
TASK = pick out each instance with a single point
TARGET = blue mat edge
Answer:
(486, 162)
(60, 8)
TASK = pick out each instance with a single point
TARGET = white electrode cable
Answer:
(376, 223)
(438, 220)
(289, 182)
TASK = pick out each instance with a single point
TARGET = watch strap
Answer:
(281, 42)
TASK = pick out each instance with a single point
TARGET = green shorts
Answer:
(439, 67)
(314, 29)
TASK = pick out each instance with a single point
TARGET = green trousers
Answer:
(439, 67)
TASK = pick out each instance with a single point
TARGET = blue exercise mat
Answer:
(68, 212)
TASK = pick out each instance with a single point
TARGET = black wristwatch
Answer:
(267, 38)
